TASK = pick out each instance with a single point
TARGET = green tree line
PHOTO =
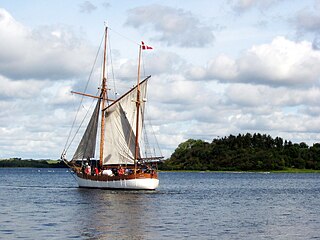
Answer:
(257, 152)
(18, 162)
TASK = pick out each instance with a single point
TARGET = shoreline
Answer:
(30, 163)
(251, 171)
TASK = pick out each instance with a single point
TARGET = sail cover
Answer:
(120, 129)
(87, 144)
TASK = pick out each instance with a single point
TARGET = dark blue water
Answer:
(46, 204)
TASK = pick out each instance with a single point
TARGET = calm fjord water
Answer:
(46, 204)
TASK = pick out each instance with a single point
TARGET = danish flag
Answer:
(145, 47)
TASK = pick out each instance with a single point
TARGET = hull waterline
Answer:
(130, 184)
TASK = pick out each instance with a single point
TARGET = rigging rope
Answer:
(130, 40)
(80, 124)
(154, 134)
(113, 78)
(66, 146)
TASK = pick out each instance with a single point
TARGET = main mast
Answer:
(138, 109)
(103, 96)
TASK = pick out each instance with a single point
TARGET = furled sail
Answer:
(87, 144)
(120, 120)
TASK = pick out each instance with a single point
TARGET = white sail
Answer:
(87, 145)
(120, 127)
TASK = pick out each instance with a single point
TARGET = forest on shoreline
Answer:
(18, 162)
(244, 152)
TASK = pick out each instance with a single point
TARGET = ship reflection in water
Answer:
(115, 214)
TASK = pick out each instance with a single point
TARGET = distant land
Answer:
(18, 162)
(244, 152)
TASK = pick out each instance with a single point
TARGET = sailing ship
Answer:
(120, 164)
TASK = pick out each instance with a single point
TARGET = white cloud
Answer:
(307, 20)
(245, 5)
(35, 117)
(106, 5)
(88, 7)
(282, 62)
(175, 27)
(259, 96)
(20, 89)
(156, 63)
(246, 95)
(46, 53)
(223, 67)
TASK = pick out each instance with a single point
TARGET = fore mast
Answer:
(103, 96)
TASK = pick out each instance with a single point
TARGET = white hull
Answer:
(134, 184)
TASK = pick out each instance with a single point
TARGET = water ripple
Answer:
(48, 205)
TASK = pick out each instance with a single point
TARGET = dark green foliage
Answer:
(243, 152)
(17, 162)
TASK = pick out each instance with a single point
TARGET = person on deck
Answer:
(121, 171)
(88, 169)
(96, 171)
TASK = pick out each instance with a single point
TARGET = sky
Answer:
(218, 68)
